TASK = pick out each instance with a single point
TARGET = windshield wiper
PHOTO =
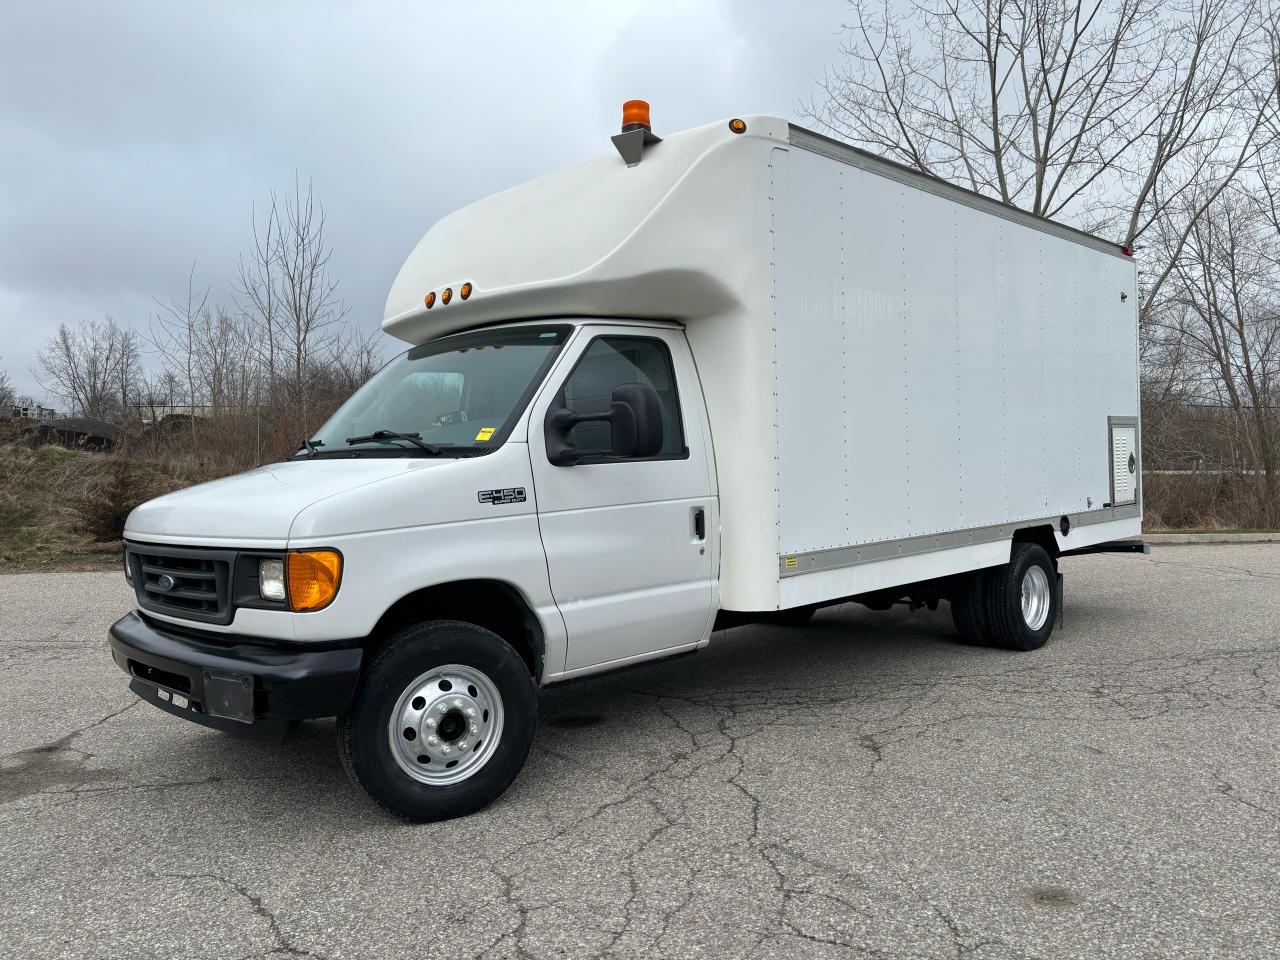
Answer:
(414, 438)
(311, 446)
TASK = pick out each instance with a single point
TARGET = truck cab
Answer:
(439, 499)
(696, 382)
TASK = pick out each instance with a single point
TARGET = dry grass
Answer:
(65, 509)
(1218, 502)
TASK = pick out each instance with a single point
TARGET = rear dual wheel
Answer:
(1013, 607)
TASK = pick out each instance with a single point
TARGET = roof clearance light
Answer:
(465, 290)
(738, 126)
(1127, 251)
(446, 295)
(430, 299)
(635, 113)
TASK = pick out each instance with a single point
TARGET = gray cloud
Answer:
(135, 138)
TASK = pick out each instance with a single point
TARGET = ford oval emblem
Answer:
(165, 582)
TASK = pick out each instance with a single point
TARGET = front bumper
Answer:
(242, 685)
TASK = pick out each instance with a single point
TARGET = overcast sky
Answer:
(135, 138)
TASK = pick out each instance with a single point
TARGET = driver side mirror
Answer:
(634, 417)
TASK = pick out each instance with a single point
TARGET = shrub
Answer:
(105, 507)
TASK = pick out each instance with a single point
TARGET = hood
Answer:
(262, 504)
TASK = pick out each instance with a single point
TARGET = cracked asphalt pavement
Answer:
(862, 787)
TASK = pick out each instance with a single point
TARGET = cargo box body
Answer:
(943, 370)
(899, 375)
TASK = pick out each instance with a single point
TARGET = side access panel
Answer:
(1125, 452)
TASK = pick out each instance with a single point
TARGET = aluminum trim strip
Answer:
(844, 153)
(794, 565)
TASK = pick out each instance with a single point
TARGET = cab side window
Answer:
(610, 362)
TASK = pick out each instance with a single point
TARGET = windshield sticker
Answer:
(498, 497)
(486, 432)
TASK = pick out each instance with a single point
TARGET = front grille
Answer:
(183, 582)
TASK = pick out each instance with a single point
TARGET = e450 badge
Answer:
(505, 495)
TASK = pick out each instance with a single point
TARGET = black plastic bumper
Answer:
(242, 685)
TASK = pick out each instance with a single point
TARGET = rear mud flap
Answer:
(1061, 601)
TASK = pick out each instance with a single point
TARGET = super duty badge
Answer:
(505, 495)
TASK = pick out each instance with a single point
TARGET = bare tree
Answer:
(6, 394)
(1222, 318)
(90, 367)
(352, 361)
(1108, 115)
(285, 288)
(175, 334)
(128, 370)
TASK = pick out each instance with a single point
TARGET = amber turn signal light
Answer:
(430, 299)
(446, 295)
(738, 126)
(465, 290)
(313, 577)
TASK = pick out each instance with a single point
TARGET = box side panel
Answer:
(939, 369)
(812, 356)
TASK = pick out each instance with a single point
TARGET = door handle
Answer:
(699, 523)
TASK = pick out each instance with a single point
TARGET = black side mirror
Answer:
(634, 417)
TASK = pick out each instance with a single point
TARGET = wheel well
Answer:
(1042, 535)
(491, 604)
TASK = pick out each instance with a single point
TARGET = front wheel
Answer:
(442, 721)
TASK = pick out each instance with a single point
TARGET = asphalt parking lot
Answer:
(863, 787)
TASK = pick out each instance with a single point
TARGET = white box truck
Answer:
(737, 374)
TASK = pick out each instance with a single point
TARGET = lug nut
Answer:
(431, 723)
(445, 750)
(462, 745)
(474, 729)
(457, 702)
(471, 711)
(443, 708)
(432, 741)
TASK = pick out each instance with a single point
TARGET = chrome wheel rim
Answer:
(446, 725)
(1035, 597)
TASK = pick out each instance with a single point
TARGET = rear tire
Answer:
(969, 609)
(1022, 599)
(441, 723)
(1011, 607)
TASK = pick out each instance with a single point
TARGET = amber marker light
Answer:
(446, 295)
(430, 299)
(738, 126)
(465, 290)
(313, 577)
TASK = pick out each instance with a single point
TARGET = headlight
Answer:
(313, 577)
(271, 579)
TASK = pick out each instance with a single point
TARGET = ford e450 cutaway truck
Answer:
(739, 373)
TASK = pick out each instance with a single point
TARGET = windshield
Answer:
(458, 395)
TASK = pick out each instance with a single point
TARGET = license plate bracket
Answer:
(228, 695)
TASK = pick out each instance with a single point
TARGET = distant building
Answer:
(28, 409)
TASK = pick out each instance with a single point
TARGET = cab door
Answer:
(628, 539)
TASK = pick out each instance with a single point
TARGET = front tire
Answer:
(441, 723)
